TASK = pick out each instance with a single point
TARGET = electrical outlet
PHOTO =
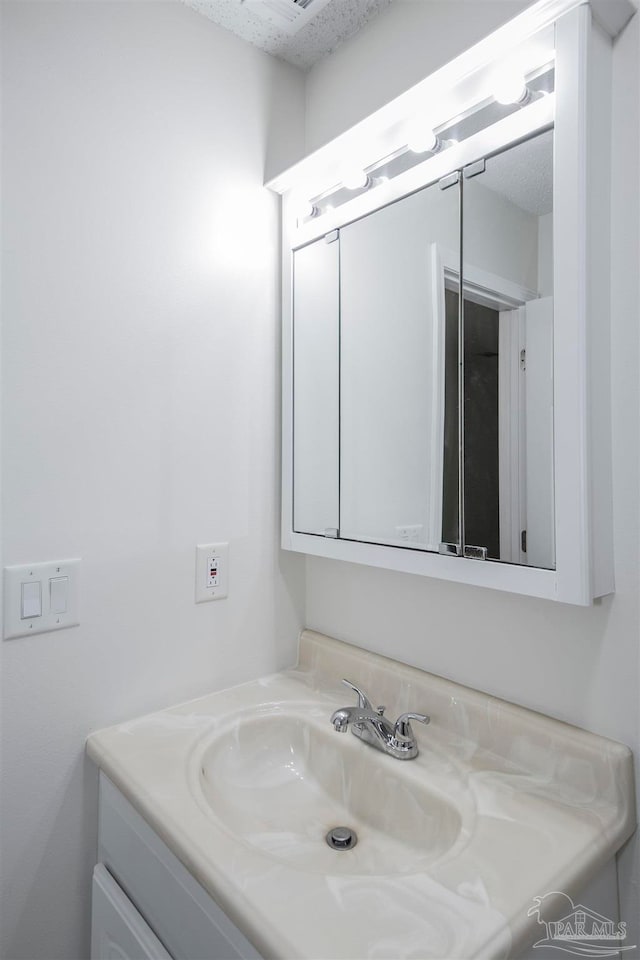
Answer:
(213, 579)
(212, 571)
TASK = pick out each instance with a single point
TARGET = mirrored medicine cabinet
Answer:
(445, 352)
(423, 419)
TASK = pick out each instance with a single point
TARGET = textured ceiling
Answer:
(333, 24)
(524, 174)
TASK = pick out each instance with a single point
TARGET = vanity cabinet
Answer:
(446, 374)
(117, 929)
(221, 848)
(145, 904)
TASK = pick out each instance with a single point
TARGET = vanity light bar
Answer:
(526, 38)
(512, 91)
(406, 176)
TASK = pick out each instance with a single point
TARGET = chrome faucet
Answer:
(370, 724)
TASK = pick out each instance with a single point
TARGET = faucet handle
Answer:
(403, 729)
(363, 699)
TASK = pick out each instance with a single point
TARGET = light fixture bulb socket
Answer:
(305, 210)
(510, 87)
(355, 179)
(423, 140)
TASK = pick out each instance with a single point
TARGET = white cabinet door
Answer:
(186, 919)
(118, 932)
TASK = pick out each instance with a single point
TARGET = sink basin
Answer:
(280, 781)
(501, 806)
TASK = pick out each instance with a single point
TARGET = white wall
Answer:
(545, 255)
(578, 664)
(141, 400)
(403, 45)
(499, 236)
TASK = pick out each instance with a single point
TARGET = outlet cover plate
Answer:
(210, 558)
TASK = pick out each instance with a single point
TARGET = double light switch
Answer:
(40, 597)
(31, 597)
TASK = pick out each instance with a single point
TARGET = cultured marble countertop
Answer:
(542, 806)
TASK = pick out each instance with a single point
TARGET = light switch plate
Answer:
(212, 571)
(17, 625)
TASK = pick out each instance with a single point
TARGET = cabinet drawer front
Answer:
(185, 918)
(118, 932)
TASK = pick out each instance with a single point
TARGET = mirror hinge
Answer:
(473, 169)
(331, 532)
(523, 360)
(523, 541)
(450, 180)
(450, 549)
(475, 553)
(330, 237)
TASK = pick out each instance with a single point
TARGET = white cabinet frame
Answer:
(580, 111)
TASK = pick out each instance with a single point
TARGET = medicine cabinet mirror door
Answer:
(368, 385)
(392, 352)
(316, 388)
(508, 473)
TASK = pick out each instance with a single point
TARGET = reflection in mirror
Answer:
(392, 369)
(315, 388)
(378, 452)
(508, 359)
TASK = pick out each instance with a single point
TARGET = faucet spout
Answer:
(374, 728)
(342, 718)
